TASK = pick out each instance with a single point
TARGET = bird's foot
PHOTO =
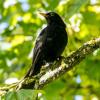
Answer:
(60, 58)
(47, 67)
(58, 61)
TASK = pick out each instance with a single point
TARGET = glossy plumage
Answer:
(50, 43)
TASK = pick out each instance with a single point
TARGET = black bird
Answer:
(50, 43)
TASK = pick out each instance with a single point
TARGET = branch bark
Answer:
(70, 61)
(67, 64)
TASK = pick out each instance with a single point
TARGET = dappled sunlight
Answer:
(27, 17)
(8, 3)
(3, 26)
(78, 97)
(18, 40)
(75, 21)
(5, 46)
(21, 23)
(11, 80)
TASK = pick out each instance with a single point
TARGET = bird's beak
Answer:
(44, 14)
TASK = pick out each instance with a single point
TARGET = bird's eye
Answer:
(52, 14)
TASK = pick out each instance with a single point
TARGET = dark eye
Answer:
(52, 14)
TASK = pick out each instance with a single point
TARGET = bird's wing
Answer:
(40, 41)
(38, 51)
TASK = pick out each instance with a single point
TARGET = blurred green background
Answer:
(20, 23)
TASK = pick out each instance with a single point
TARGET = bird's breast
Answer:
(56, 41)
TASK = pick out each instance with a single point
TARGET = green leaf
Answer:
(23, 94)
(74, 6)
(11, 96)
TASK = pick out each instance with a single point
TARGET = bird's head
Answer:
(53, 17)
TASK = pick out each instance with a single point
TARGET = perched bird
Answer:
(49, 44)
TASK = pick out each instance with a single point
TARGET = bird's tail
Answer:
(34, 70)
(28, 72)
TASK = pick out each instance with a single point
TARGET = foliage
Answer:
(22, 95)
(20, 23)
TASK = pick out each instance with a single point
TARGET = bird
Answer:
(49, 44)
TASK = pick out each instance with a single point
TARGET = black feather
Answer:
(50, 43)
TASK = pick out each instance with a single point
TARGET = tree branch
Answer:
(67, 64)
(70, 61)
